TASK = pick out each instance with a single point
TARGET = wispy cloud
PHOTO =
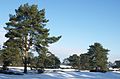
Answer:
(2, 36)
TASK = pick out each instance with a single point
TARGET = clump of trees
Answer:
(95, 58)
(47, 61)
(26, 32)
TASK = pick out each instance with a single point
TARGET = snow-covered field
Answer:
(65, 75)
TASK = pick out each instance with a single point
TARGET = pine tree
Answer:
(74, 61)
(98, 56)
(27, 29)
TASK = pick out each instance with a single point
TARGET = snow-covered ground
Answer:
(61, 74)
(64, 75)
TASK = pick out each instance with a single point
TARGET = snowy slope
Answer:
(65, 75)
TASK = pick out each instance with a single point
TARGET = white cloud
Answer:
(64, 52)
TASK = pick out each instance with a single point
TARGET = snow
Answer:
(64, 75)
(61, 74)
(65, 66)
(116, 71)
(64, 70)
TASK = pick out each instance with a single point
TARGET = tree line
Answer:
(95, 59)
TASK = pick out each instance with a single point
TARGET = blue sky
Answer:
(80, 22)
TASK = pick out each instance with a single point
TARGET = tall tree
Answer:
(98, 56)
(27, 28)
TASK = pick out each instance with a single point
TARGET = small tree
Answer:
(74, 61)
(66, 61)
(84, 61)
(51, 61)
(117, 63)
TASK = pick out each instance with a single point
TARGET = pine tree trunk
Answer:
(25, 65)
(26, 56)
